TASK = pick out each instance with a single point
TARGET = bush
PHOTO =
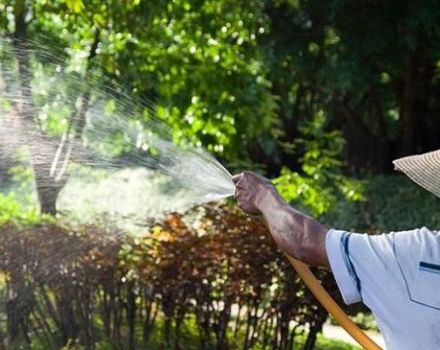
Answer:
(217, 274)
(213, 275)
(393, 203)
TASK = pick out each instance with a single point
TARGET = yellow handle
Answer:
(331, 306)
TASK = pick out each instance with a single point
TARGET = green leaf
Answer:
(75, 6)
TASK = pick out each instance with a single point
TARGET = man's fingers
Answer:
(237, 178)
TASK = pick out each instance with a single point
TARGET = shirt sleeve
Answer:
(344, 276)
(365, 266)
(370, 268)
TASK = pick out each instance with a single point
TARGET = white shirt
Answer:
(397, 276)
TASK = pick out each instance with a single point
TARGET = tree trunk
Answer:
(46, 188)
(131, 316)
(313, 334)
(406, 110)
(43, 155)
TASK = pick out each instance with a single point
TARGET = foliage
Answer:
(366, 321)
(249, 80)
(242, 78)
(203, 73)
(321, 183)
(328, 344)
(305, 91)
(372, 68)
(219, 273)
(393, 203)
(12, 211)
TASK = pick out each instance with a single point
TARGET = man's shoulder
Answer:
(416, 239)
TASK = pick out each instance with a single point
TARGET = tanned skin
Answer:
(297, 234)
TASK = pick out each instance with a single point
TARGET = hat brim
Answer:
(423, 169)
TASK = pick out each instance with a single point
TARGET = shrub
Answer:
(392, 203)
(216, 272)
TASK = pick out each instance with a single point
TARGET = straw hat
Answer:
(423, 169)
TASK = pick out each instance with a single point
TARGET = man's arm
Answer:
(295, 233)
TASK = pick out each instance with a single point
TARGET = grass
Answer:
(189, 340)
(332, 344)
(322, 344)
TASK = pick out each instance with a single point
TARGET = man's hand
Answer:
(253, 192)
(295, 233)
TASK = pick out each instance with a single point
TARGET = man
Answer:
(397, 275)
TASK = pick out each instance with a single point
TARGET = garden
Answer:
(120, 124)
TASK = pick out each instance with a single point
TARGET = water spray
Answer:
(82, 134)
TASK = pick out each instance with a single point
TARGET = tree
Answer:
(205, 70)
(369, 66)
(242, 79)
(45, 156)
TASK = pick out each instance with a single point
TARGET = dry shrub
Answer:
(219, 273)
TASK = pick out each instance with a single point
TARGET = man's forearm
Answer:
(295, 233)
